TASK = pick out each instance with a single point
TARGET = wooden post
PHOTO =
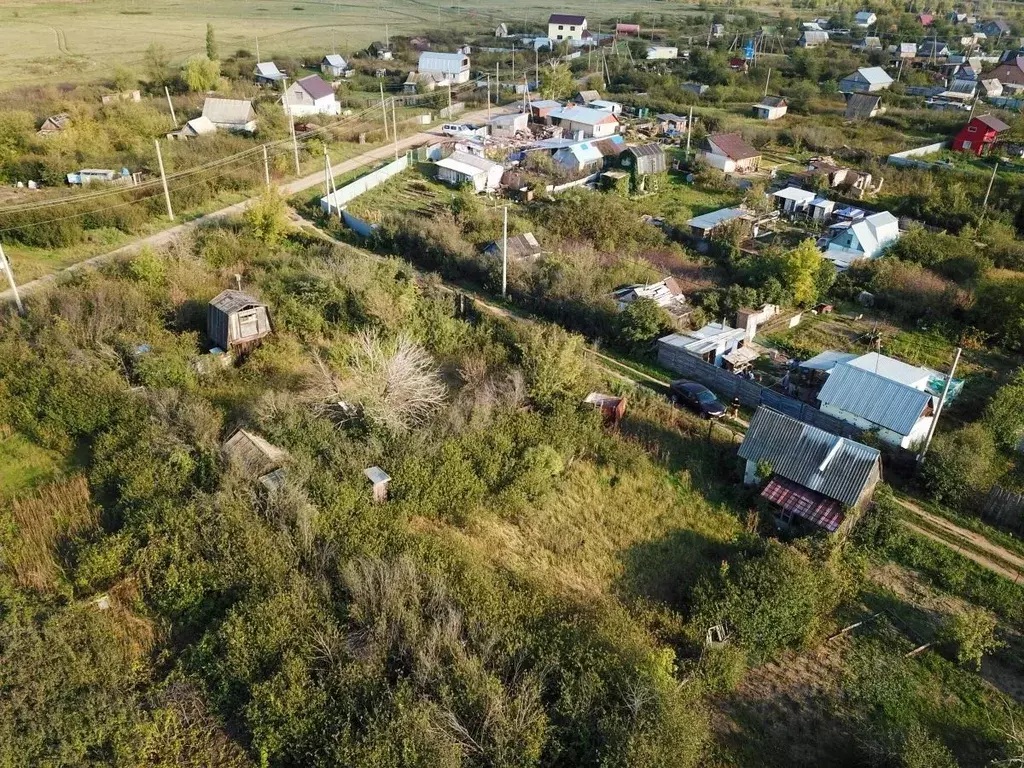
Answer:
(6, 266)
(291, 125)
(163, 179)
(689, 128)
(504, 256)
(938, 410)
(174, 119)
(266, 166)
(394, 126)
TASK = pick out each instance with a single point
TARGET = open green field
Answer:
(43, 41)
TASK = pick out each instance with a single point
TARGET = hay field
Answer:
(49, 41)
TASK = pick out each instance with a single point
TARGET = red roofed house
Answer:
(979, 135)
(730, 153)
(925, 19)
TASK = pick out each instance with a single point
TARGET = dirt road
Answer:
(971, 545)
(287, 188)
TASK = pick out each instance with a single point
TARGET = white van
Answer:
(462, 129)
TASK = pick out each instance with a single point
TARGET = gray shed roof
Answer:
(376, 475)
(448, 63)
(237, 111)
(231, 301)
(833, 466)
(874, 398)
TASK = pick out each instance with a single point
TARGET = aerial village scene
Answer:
(508, 385)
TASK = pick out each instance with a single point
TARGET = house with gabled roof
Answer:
(452, 67)
(898, 413)
(311, 95)
(864, 19)
(730, 153)
(979, 135)
(567, 26)
(1010, 73)
(905, 51)
(585, 122)
(524, 247)
(813, 38)
(818, 481)
(54, 124)
(866, 80)
(863, 238)
(863, 106)
(230, 114)
(267, 73)
(333, 65)
(869, 44)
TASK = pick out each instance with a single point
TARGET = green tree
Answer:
(556, 82)
(267, 217)
(211, 44)
(552, 360)
(798, 272)
(641, 322)
(157, 64)
(124, 78)
(201, 74)
(972, 634)
(1004, 414)
(961, 465)
(16, 129)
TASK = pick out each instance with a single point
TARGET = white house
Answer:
(585, 122)
(900, 414)
(230, 114)
(333, 65)
(711, 343)
(453, 68)
(866, 80)
(463, 168)
(662, 52)
(865, 19)
(861, 239)
(566, 26)
(311, 96)
(588, 155)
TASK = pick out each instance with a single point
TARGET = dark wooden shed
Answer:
(612, 408)
(236, 321)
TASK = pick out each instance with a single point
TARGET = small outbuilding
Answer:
(379, 480)
(522, 247)
(333, 65)
(507, 126)
(237, 322)
(463, 168)
(253, 454)
(612, 408)
(771, 108)
(54, 124)
(231, 114)
(267, 73)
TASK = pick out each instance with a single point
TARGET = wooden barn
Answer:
(237, 322)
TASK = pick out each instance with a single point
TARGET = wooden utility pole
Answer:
(266, 166)
(6, 266)
(163, 179)
(938, 410)
(767, 80)
(689, 129)
(991, 181)
(497, 83)
(174, 119)
(258, 49)
(291, 124)
(488, 98)
(504, 256)
(384, 109)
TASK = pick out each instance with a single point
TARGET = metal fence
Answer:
(1004, 508)
(350, 192)
(728, 385)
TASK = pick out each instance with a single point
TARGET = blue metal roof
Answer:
(874, 398)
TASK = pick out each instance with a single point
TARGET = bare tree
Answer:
(396, 382)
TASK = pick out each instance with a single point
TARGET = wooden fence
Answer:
(1004, 508)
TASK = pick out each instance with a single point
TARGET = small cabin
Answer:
(612, 408)
(237, 322)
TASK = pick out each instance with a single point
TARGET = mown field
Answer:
(42, 41)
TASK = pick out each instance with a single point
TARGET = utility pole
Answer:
(449, 99)
(174, 119)
(513, 64)
(327, 178)
(291, 125)
(266, 166)
(497, 83)
(689, 128)
(163, 179)
(258, 49)
(938, 410)
(488, 98)
(394, 126)
(6, 266)
(974, 105)
(504, 256)
(991, 181)
(384, 109)
(767, 80)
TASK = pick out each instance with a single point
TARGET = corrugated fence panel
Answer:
(350, 192)
(357, 225)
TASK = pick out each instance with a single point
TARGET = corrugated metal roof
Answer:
(448, 63)
(231, 301)
(229, 111)
(831, 465)
(874, 398)
(376, 475)
(315, 86)
(714, 218)
(827, 360)
(335, 60)
(895, 370)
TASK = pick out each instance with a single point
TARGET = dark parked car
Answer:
(697, 398)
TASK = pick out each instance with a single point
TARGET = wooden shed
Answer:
(255, 456)
(379, 479)
(236, 321)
